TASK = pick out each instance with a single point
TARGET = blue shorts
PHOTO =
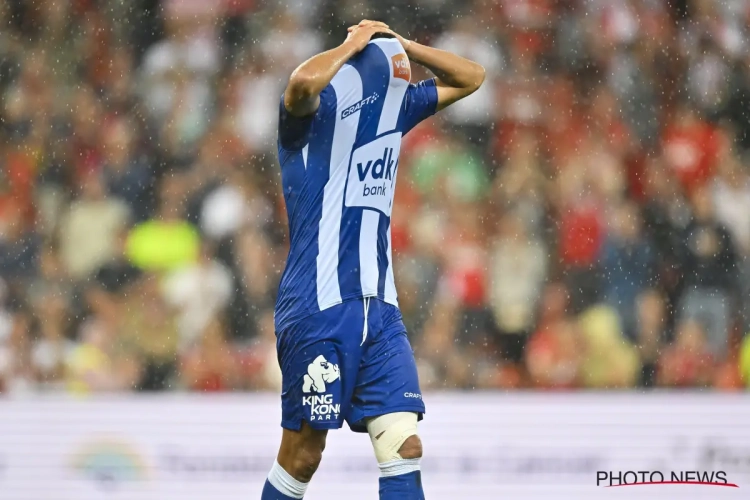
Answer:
(350, 362)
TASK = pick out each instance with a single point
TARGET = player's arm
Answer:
(457, 77)
(302, 94)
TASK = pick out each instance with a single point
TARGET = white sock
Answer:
(286, 484)
(399, 467)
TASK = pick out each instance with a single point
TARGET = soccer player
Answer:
(342, 345)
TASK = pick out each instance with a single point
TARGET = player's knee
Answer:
(301, 452)
(306, 462)
(412, 447)
(394, 437)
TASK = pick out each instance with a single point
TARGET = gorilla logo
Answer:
(318, 373)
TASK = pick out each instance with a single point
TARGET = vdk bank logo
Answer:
(109, 462)
(372, 174)
(382, 169)
(401, 68)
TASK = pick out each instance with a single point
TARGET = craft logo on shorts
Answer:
(401, 67)
(109, 462)
(319, 373)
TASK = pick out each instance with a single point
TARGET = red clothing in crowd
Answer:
(17, 175)
(467, 277)
(690, 151)
(551, 358)
(581, 235)
(680, 367)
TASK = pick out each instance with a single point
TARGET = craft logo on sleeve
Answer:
(401, 68)
(359, 105)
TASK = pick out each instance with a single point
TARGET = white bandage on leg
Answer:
(388, 433)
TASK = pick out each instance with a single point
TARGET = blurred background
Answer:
(582, 221)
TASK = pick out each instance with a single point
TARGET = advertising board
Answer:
(477, 445)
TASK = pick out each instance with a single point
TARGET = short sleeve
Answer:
(294, 131)
(419, 104)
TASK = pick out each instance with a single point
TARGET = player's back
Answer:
(339, 172)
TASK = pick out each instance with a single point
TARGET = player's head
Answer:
(371, 56)
(381, 35)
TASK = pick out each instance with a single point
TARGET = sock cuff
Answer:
(399, 467)
(285, 483)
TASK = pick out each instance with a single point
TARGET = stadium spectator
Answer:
(52, 348)
(710, 267)
(553, 351)
(126, 176)
(609, 360)
(517, 274)
(199, 292)
(211, 364)
(16, 366)
(731, 199)
(476, 114)
(167, 241)
(651, 333)
(688, 362)
(602, 169)
(147, 328)
(744, 362)
(259, 360)
(627, 264)
(97, 364)
(20, 246)
(89, 230)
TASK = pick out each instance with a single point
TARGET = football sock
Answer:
(401, 480)
(282, 486)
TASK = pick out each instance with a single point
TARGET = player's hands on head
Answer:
(361, 34)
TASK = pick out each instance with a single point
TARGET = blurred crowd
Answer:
(582, 221)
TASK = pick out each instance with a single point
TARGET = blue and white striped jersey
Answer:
(338, 170)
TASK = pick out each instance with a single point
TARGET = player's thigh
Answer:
(388, 380)
(319, 360)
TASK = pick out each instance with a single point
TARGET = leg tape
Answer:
(388, 433)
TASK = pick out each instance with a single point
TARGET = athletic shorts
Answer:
(350, 362)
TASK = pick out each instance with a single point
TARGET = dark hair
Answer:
(381, 35)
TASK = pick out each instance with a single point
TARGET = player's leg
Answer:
(387, 403)
(398, 451)
(319, 360)
(309, 407)
(298, 459)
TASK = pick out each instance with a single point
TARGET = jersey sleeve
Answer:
(420, 103)
(294, 131)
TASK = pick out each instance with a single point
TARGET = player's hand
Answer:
(367, 23)
(361, 34)
(405, 43)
